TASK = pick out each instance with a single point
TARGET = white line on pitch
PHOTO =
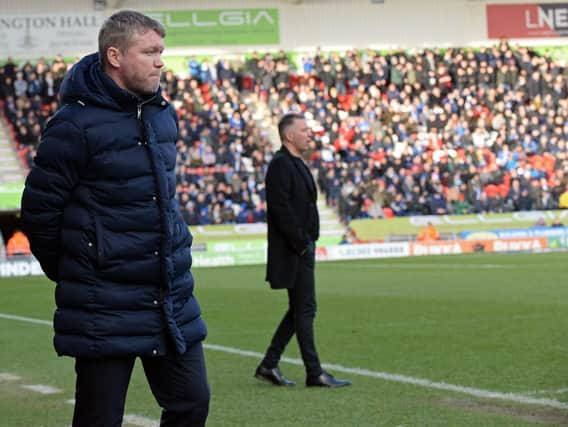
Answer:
(133, 419)
(557, 391)
(25, 319)
(422, 382)
(380, 265)
(486, 394)
(5, 376)
(41, 388)
(139, 421)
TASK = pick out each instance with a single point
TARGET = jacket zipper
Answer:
(139, 107)
(139, 117)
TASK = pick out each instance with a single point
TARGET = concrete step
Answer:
(5, 169)
(332, 232)
(12, 178)
(11, 169)
(327, 212)
(10, 165)
(329, 221)
(7, 154)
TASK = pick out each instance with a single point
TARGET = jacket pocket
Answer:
(99, 240)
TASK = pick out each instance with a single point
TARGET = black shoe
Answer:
(273, 376)
(326, 380)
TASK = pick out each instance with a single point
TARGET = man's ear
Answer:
(113, 57)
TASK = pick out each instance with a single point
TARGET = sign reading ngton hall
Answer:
(529, 20)
(47, 35)
(76, 34)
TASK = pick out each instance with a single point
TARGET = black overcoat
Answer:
(293, 220)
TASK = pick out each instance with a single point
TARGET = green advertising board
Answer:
(219, 27)
(10, 195)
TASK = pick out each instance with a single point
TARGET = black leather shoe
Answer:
(273, 376)
(326, 380)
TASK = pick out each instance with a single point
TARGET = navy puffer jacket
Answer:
(100, 211)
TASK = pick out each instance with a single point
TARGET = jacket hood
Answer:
(88, 83)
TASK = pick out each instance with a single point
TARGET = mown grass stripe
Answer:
(421, 382)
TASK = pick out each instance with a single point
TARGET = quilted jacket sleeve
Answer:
(60, 158)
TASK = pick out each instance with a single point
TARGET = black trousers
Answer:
(299, 319)
(178, 382)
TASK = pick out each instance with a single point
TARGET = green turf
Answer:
(491, 322)
(10, 195)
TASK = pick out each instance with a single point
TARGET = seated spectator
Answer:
(438, 205)
(189, 215)
(349, 237)
(18, 244)
(428, 234)
(398, 205)
(563, 199)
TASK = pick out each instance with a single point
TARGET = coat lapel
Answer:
(304, 173)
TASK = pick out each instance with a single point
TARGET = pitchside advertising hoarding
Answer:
(255, 254)
(527, 20)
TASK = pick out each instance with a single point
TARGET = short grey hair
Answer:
(119, 29)
(285, 122)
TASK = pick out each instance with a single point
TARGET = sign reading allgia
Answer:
(218, 27)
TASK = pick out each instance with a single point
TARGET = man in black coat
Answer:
(293, 228)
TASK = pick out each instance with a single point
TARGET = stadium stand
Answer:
(395, 133)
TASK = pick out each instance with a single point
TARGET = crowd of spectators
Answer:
(29, 93)
(221, 152)
(397, 133)
(430, 132)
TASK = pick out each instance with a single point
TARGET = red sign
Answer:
(453, 247)
(529, 20)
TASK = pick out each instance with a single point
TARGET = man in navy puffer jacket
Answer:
(100, 211)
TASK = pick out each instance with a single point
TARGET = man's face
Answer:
(141, 64)
(299, 135)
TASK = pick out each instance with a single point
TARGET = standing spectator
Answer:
(563, 199)
(18, 244)
(429, 233)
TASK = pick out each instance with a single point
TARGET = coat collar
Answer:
(306, 175)
(88, 83)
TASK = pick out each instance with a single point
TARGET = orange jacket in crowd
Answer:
(18, 244)
(428, 233)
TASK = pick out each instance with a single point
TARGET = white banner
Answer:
(362, 251)
(20, 268)
(32, 36)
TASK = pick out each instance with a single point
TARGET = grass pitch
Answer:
(456, 329)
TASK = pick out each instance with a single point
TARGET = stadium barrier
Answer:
(20, 267)
(254, 252)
